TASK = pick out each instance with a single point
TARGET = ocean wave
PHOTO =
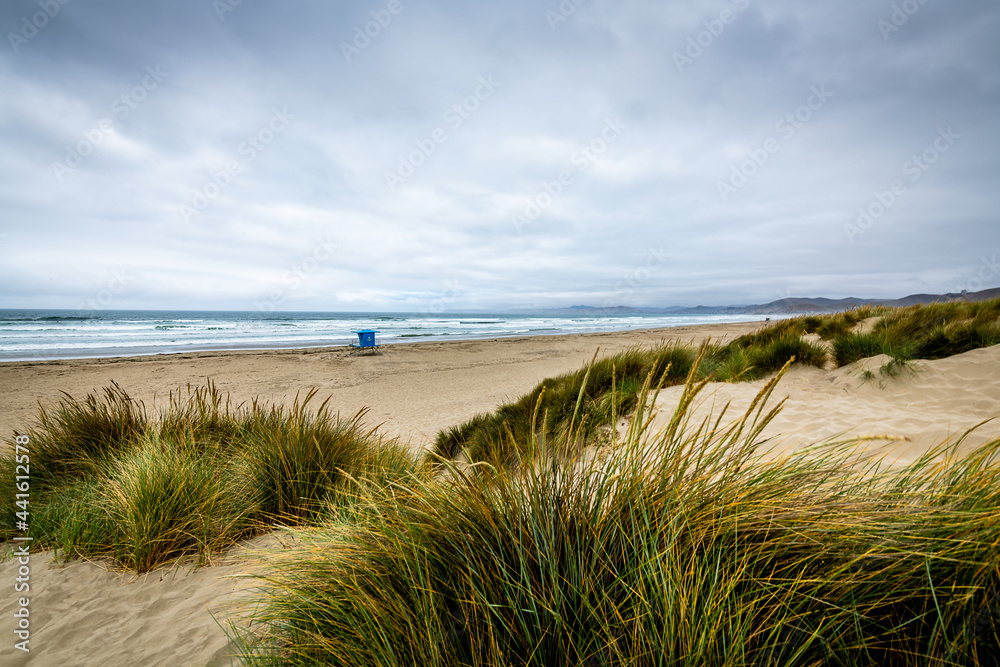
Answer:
(46, 318)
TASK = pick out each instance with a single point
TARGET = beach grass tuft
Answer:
(164, 500)
(75, 438)
(929, 331)
(297, 460)
(108, 481)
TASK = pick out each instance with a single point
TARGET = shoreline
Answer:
(117, 334)
(413, 389)
(392, 342)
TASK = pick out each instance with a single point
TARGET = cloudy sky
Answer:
(393, 154)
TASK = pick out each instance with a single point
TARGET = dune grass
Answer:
(928, 331)
(75, 439)
(165, 499)
(109, 481)
(681, 548)
(608, 387)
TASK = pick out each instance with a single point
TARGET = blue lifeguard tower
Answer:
(366, 340)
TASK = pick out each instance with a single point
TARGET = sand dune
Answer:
(926, 403)
(84, 614)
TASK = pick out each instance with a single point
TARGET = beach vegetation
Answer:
(530, 536)
(928, 331)
(78, 437)
(683, 547)
(109, 481)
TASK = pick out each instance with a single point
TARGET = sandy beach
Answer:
(84, 614)
(412, 390)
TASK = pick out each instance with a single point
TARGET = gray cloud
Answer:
(463, 149)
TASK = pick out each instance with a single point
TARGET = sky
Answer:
(410, 155)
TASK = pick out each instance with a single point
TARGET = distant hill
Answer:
(785, 306)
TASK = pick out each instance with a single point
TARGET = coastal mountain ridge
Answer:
(784, 306)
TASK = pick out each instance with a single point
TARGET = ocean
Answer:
(32, 335)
